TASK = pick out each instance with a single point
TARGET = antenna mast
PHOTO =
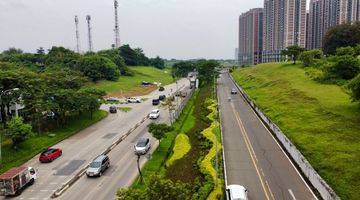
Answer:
(116, 29)
(77, 34)
(88, 20)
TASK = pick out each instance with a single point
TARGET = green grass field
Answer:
(36, 144)
(319, 119)
(131, 85)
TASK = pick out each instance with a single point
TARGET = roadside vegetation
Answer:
(186, 154)
(317, 105)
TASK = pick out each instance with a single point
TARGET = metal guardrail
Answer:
(325, 191)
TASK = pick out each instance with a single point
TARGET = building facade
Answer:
(250, 37)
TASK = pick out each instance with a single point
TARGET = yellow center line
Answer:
(264, 185)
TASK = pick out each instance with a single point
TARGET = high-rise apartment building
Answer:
(284, 25)
(250, 37)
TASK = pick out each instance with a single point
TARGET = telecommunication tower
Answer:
(77, 34)
(116, 29)
(88, 20)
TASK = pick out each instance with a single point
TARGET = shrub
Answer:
(354, 87)
(343, 51)
(345, 67)
(182, 147)
(309, 58)
(18, 131)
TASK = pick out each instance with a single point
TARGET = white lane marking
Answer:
(291, 194)
(291, 162)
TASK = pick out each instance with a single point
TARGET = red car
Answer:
(50, 154)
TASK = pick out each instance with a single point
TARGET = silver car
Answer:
(142, 146)
(98, 166)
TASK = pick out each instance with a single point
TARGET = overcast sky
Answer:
(180, 29)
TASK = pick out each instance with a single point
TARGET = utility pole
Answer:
(77, 34)
(116, 29)
(88, 20)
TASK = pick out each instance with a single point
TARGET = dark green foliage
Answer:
(309, 58)
(157, 62)
(341, 36)
(130, 56)
(207, 70)
(97, 68)
(157, 188)
(114, 55)
(63, 57)
(345, 67)
(159, 130)
(343, 51)
(293, 52)
(181, 69)
(354, 87)
(18, 131)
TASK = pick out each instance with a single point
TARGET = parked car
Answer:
(155, 102)
(133, 100)
(145, 83)
(112, 109)
(50, 154)
(162, 97)
(183, 94)
(236, 192)
(161, 88)
(142, 146)
(98, 166)
(234, 91)
(154, 114)
(15, 180)
(112, 100)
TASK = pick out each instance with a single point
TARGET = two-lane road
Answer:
(253, 157)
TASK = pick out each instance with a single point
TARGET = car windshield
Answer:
(95, 164)
(154, 112)
(48, 151)
(141, 143)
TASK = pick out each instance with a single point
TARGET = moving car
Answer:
(98, 166)
(183, 94)
(162, 97)
(14, 181)
(236, 192)
(133, 100)
(113, 109)
(50, 154)
(161, 88)
(142, 146)
(155, 102)
(233, 91)
(154, 114)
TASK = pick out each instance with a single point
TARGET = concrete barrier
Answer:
(325, 191)
(82, 171)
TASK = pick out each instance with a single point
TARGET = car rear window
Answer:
(142, 142)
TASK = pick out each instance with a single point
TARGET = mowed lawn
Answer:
(319, 119)
(131, 85)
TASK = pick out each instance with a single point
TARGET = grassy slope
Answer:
(127, 85)
(34, 145)
(320, 120)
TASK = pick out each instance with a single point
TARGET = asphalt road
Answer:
(83, 147)
(253, 158)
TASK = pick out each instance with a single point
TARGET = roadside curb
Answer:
(82, 171)
(302, 165)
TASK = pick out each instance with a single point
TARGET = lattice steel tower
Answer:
(77, 34)
(116, 29)
(88, 20)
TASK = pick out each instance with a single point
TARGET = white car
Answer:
(236, 192)
(133, 100)
(142, 146)
(154, 114)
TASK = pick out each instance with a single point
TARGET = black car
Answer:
(112, 109)
(155, 102)
(162, 97)
(161, 89)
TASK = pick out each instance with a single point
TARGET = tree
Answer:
(157, 62)
(18, 131)
(308, 58)
(114, 55)
(159, 130)
(63, 57)
(97, 68)
(343, 51)
(12, 50)
(354, 87)
(182, 69)
(341, 36)
(207, 70)
(345, 67)
(293, 52)
(157, 188)
(130, 56)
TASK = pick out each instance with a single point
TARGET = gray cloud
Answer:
(169, 28)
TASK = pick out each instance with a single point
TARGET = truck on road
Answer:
(14, 181)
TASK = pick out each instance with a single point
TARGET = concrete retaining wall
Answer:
(325, 191)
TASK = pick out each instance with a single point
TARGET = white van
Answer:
(236, 192)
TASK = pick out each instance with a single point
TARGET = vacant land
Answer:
(320, 119)
(34, 145)
(131, 85)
